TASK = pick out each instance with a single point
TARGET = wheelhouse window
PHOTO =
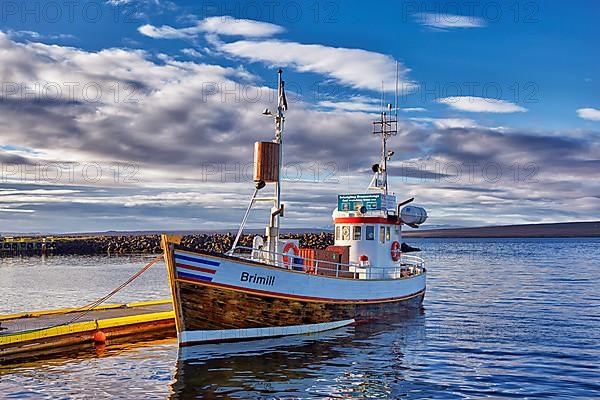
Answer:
(381, 234)
(357, 232)
(345, 233)
(388, 236)
(370, 232)
(338, 236)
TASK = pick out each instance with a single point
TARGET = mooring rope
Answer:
(91, 306)
(86, 309)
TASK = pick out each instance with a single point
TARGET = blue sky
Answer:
(509, 87)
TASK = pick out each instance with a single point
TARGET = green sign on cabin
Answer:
(371, 201)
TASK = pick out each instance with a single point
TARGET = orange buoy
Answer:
(286, 259)
(99, 337)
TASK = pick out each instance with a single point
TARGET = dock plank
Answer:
(47, 332)
(27, 323)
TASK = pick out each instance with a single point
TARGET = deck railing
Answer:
(407, 266)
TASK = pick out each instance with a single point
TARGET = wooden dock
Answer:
(39, 333)
(13, 246)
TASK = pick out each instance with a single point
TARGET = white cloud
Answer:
(16, 210)
(165, 32)
(451, 21)
(224, 25)
(356, 103)
(361, 69)
(357, 68)
(192, 53)
(481, 104)
(174, 123)
(175, 126)
(448, 123)
(137, 97)
(123, 2)
(591, 114)
(32, 35)
(238, 27)
(364, 104)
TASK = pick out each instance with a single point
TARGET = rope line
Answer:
(86, 309)
(91, 306)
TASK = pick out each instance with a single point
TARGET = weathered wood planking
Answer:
(204, 307)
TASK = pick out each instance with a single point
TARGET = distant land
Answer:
(158, 232)
(563, 229)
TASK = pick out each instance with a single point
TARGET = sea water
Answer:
(501, 318)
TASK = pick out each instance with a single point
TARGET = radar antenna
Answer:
(385, 127)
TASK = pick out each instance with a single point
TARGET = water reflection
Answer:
(86, 352)
(363, 361)
(497, 324)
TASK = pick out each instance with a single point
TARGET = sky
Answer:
(142, 114)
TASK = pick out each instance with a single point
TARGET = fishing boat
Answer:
(276, 288)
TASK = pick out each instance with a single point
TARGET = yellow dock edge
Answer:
(72, 310)
(87, 326)
(148, 303)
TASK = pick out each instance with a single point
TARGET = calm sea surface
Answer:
(501, 318)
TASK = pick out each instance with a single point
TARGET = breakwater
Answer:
(150, 244)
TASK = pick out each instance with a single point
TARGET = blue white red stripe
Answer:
(195, 268)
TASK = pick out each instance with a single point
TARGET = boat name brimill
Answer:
(255, 278)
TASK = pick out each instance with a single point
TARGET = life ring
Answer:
(396, 250)
(288, 246)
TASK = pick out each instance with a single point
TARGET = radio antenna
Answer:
(382, 97)
(396, 105)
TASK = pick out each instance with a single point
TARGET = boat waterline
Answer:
(228, 335)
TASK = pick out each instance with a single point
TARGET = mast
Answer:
(277, 210)
(279, 120)
(386, 127)
(263, 174)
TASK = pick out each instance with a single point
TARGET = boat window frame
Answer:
(372, 229)
(338, 232)
(381, 234)
(344, 236)
(388, 234)
(357, 228)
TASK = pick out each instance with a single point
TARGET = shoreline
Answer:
(142, 244)
(113, 243)
(551, 230)
(219, 243)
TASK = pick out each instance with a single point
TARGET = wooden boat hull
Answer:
(219, 298)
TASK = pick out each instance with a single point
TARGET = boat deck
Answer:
(25, 334)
